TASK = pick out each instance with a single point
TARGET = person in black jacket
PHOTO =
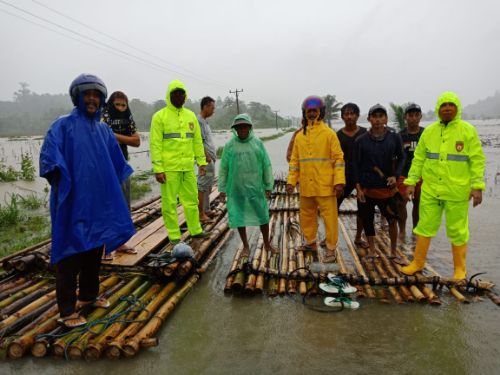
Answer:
(378, 163)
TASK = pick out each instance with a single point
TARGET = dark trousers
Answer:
(366, 210)
(84, 266)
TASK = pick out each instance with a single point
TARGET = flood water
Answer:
(213, 333)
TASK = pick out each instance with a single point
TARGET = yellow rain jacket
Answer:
(317, 161)
(175, 137)
(449, 158)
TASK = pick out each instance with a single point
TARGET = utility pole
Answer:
(237, 102)
(276, 113)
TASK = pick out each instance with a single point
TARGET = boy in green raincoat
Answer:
(246, 179)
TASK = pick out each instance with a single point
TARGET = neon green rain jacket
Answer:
(175, 137)
(449, 158)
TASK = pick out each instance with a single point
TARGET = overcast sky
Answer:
(365, 51)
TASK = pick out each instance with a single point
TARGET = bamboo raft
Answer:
(145, 288)
(293, 271)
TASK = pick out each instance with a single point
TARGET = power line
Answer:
(76, 39)
(124, 42)
(99, 42)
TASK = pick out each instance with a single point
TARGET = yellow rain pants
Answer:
(431, 212)
(309, 218)
(182, 184)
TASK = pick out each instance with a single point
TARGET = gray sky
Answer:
(365, 51)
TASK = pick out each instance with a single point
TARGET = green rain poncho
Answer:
(245, 174)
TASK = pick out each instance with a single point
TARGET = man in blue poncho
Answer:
(84, 165)
(246, 178)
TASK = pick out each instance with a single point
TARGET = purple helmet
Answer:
(86, 82)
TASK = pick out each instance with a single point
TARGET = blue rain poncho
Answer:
(82, 161)
(245, 174)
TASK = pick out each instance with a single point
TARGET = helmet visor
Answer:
(313, 103)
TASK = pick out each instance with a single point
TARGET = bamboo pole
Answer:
(369, 291)
(132, 345)
(215, 251)
(114, 348)
(395, 270)
(97, 344)
(379, 292)
(22, 293)
(284, 249)
(292, 259)
(255, 262)
(4, 324)
(6, 288)
(216, 232)
(19, 346)
(59, 346)
(395, 294)
(77, 347)
(230, 278)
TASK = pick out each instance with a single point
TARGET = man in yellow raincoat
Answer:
(450, 160)
(175, 140)
(317, 163)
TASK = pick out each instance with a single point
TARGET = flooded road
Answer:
(212, 333)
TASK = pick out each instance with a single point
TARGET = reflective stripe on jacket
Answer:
(317, 161)
(449, 158)
(175, 137)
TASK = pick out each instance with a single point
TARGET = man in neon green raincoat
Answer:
(450, 160)
(246, 178)
(175, 140)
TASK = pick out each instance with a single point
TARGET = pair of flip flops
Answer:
(76, 320)
(337, 285)
(341, 302)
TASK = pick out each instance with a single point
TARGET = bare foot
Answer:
(126, 249)
(245, 253)
(272, 250)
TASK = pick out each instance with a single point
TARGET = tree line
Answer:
(30, 113)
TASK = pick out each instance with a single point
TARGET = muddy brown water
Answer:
(213, 333)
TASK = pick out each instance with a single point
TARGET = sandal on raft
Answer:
(342, 302)
(207, 221)
(362, 244)
(397, 259)
(337, 285)
(126, 250)
(308, 247)
(72, 321)
(108, 257)
(330, 256)
(102, 303)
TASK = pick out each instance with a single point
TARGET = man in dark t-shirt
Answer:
(347, 135)
(410, 137)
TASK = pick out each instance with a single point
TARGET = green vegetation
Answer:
(398, 117)
(8, 174)
(18, 229)
(139, 185)
(332, 108)
(27, 172)
(32, 201)
(30, 113)
(27, 168)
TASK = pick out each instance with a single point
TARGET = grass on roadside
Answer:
(140, 185)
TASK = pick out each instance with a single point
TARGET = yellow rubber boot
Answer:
(419, 257)
(459, 261)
